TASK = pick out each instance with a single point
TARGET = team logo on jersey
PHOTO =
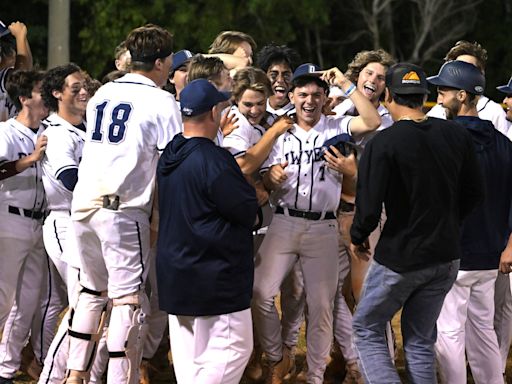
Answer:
(307, 156)
(411, 78)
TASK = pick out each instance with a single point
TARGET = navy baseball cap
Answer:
(506, 88)
(307, 69)
(180, 58)
(3, 29)
(343, 143)
(459, 75)
(406, 79)
(199, 96)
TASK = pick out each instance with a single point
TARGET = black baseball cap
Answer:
(459, 75)
(199, 96)
(506, 88)
(406, 79)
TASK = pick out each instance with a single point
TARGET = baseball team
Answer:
(228, 200)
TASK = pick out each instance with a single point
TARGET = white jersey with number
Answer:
(487, 110)
(25, 189)
(7, 109)
(311, 185)
(129, 122)
(63, 152)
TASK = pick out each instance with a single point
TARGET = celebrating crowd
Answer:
(190, 191)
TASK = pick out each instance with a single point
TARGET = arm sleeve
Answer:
(169, 123)
(238, 141)
(234, 197)
(68, 178)
(372, 183)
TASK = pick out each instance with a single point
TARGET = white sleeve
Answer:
(275, 156)
(168, 122)
(6, 149)
(60, 150)
(239, 141)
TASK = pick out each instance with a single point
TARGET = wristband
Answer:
(350, 90)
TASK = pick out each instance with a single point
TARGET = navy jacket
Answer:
(207, 210)
(486, 230)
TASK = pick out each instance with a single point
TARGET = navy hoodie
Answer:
(486, 230)
(207, 210)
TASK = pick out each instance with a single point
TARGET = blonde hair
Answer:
(250, 78)
(229, 41)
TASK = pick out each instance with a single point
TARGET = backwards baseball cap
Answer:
(459, 75)
(3, 29)
(199, 96)
(406, 79)
(506, 88)
(307, 69)
(180, 58)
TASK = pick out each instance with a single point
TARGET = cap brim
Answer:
(4, 32)
(505, 89)
(436, 80)
(317, 74)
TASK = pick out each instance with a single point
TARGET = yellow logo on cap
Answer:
(411, 78)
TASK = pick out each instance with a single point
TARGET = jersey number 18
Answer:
(117, 127)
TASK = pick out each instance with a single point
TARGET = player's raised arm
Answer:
(368, 119)
(23, 52)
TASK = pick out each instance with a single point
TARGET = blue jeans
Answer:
(421, 294)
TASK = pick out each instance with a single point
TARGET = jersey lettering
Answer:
(117, 127)
(307, 156)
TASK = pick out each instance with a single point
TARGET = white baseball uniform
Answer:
(22, 255)
(303, 229)
(129, 121)
(7, 108)
(63, 152)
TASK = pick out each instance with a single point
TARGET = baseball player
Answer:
(129, 121)
(466, 323)
(179, 70)
(22, 201)
(488, 109)
(14, 54)
(64, 91)
(304, 226)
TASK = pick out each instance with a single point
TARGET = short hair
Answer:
(148, 41)
(411, 101)
(274, 54)
(229, 41)
(363, 58)
(305, 80)
(21, 84)
(91, 84)
(464, 47)
(250, 78)
(202, 67)
(120, 50)
(55, 79)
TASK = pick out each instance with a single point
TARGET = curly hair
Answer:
(229, 41)
(21, 83)
(271, 54)
(363, 58)
(54, 80)
(250, 78)
(463, 47)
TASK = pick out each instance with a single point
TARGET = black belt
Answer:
(309, 215)
(36, 215)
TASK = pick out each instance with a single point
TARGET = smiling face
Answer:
(447, 97)
(280, 76)
(74, 96)
(252, 105)
(309, 100)
(372, 81)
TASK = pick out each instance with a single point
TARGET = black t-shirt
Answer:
(427, 176)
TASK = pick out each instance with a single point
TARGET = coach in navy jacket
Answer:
(207, 209)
